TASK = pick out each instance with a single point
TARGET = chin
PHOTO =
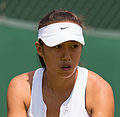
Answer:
(68, 73)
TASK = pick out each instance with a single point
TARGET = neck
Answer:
(58, 84)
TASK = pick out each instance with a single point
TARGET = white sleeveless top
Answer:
(74, 106)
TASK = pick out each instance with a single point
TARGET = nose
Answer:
(65, 55)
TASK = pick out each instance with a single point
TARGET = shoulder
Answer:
(21, 81)
(97, 81)
(99, 95)
(19, 89)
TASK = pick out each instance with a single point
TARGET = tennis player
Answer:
(60, 88)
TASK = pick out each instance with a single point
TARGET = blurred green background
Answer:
(18, 24)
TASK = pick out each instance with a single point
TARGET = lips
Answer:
(66, 66)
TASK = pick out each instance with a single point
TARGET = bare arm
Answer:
(16, 95)
(101, 99)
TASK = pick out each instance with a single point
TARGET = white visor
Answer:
(57, 33)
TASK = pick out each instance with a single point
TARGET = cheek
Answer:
(50, 58)
(76, 56)
(77, 53)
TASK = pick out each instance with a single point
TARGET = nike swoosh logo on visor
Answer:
(62, 28)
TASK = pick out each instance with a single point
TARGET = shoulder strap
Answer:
(37, 106)
(81, 83)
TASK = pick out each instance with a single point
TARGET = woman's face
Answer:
(62, 59)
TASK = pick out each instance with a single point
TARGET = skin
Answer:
(58, 83)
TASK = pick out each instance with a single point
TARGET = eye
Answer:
(58, 46)
(74, 46)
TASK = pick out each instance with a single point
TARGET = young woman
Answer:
(60, 88)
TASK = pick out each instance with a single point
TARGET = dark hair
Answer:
(57, 16)
(40, 58)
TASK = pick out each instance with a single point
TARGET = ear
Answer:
(38, 48)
